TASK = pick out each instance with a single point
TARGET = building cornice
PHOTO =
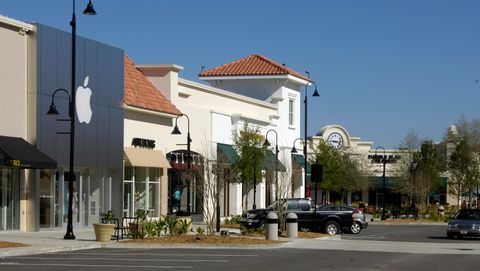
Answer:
(21, 26)
(225, 93)
(148, 112)
(288, 77)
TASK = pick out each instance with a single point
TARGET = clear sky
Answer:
(383, 67)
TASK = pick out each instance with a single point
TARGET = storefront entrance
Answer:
(88, 188)
(9, 198)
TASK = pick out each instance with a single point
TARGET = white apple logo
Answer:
(84, 111)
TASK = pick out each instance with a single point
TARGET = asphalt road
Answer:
(406, 233)
(279, 259)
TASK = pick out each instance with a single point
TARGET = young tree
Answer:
(427, 174)
(340, 172)
(249, 146)
(464, 167)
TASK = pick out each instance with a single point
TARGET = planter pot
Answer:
(103, 232)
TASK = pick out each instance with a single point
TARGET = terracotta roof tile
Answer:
(252, 65)
(141, 93)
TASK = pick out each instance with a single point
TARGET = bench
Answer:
(127, 228)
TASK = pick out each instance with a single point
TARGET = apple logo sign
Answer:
(84, 111)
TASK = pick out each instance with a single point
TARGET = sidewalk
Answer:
(47, 241)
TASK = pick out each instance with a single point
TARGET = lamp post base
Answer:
(69, 236)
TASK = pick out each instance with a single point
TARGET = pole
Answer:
(189, 165)
(69, 234)
(384, 187)
(254, 186)
(305, 143)
(276, 167)
(414, 207)
(219, 173)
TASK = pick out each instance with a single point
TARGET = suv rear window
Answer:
(293, 205)
(468, 214)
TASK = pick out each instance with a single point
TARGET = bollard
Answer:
(292, 225)
(271, 226)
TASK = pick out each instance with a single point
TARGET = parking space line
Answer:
(98, 265)
(160, 254)
(123, 259)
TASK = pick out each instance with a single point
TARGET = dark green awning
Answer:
(228, 152)
(301, 161)
(269, 162)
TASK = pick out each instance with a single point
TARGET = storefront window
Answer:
(9, 198)
(140, 188)
(153, 192)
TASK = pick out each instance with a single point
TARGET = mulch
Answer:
(5, 244)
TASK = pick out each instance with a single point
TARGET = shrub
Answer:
(200, 231)
(141, 214)
(251, 231)
(171, 224)
(149, 228)
(233, 219)
(160, 226)
(183, 226)
(108, 215)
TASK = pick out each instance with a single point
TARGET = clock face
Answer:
(335, 140)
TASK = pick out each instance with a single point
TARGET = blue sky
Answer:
(383, 67)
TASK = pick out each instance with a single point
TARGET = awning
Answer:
(269, 162)
(145, 158)
(18, 152)
(228, 151)
(301, 161)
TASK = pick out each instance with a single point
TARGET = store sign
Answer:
(12, 162)
(143, 143)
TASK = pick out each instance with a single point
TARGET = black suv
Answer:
(326, 218)
(255, 218)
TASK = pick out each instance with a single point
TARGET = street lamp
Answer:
(71, 112)
(267, 144)
(176, 131)
(315, 94)
(414, 166)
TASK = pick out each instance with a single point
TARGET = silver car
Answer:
(465, 223)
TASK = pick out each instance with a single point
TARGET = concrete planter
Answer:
(103, 232)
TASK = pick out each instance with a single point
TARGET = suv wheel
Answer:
(356, 228)
(332, 227)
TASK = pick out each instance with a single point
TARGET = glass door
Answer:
(47, 200)
(75, 200)
(9, 198)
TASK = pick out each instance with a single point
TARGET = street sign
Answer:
(317, 173)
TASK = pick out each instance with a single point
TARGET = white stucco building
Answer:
(253, 90)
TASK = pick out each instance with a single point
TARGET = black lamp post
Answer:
(315, 94)
(71, 112)
(176, 131)
(294, 150)
(267, 144)
(414, 198)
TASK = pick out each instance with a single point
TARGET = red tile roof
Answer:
(141, 93)
(252, 65)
